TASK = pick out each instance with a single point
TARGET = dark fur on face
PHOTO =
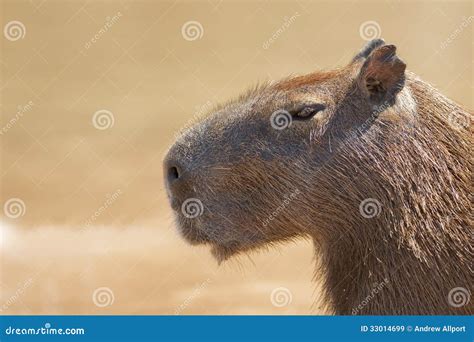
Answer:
(303, 157)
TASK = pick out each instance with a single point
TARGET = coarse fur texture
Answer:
(368, 161)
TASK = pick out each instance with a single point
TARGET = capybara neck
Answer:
(392, 236)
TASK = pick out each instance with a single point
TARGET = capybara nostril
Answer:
(173, 174)
(174, 183)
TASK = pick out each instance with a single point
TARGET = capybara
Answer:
(369, 161)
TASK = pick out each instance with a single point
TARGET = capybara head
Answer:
(249, 174)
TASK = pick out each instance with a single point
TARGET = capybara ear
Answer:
(367, 49)
(382, 74)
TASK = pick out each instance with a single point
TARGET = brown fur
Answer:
(382, 134)
(304, 80)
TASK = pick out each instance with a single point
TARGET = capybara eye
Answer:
(307, 112)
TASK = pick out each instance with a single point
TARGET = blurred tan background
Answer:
(92, 93)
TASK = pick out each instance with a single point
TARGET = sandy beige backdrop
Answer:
(91, 95)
